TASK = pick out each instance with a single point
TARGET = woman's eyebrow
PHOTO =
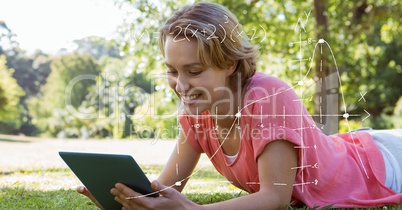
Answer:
(185, 66)
(168, 65)
(191, 65)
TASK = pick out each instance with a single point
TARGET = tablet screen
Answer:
(100, 172)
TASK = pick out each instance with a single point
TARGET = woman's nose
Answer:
(182, 84)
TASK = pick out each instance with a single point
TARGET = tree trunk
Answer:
(326, 104)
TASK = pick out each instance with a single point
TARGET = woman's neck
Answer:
(224, 114)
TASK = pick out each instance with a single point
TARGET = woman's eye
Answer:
(194, 73)
(172, 72)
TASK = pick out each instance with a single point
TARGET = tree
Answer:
(66, 87)
(325, 74)
(10, 94)
(96, 46)
(356, 37)
(360, 36)
(7, 40)
(398, 114)
(369, 63)
(121, 88)
(30, 72)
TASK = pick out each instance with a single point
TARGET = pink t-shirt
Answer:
(346, 170)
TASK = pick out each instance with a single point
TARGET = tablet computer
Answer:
(100, 172)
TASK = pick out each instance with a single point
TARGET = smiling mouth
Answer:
(190, 98)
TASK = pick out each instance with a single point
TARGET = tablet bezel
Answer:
(99, 172)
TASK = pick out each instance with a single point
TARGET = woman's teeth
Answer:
(190, 98)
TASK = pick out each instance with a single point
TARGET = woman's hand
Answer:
(169, 198)
(84, 191)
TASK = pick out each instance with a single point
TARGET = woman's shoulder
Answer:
(261, 85)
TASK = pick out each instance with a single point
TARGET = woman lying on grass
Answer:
(256, 130)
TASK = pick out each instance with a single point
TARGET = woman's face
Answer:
(198, 87)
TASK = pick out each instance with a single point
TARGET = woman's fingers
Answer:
(169, 198)
(127, 197)
(123, 191)
(84, 191)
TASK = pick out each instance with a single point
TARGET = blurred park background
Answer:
(114, 87)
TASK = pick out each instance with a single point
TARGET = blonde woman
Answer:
(256, 130)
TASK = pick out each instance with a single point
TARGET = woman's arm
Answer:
(276, 176)
(180, 165)
(176, 173)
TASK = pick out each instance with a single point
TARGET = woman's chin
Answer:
(193, 109)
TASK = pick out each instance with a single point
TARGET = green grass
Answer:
(23, 198)
(54, 188)
(41, 189)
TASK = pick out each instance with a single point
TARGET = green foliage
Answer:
(30, 73)
(397, 119)
(382, 121)
(106, 109)
(3, 98)
(138, 39)
(364, 36)
(10, 93)
(97, 47)
(65, 70)
(346, 126)
(157, 117)
(123, 86)
(7, 40)
(380, 78)
(66, 87)
(270, 25)
(65, 125)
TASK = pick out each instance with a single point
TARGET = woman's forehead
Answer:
(180, 51)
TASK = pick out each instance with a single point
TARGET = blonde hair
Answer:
(218, 34)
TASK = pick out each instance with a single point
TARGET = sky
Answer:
(52, 24)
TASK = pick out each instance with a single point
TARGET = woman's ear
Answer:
(231, 69)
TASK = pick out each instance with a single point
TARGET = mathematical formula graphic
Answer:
(210, 33)
(328, 91)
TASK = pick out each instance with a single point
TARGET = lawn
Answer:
(53, 188)
(33, 176)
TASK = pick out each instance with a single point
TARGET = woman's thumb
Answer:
(83, 190)
(160, 188)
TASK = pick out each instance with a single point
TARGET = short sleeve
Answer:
(271, 128)
(190, 135)
(275, 113)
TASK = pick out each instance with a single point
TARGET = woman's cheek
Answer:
(172, 83)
